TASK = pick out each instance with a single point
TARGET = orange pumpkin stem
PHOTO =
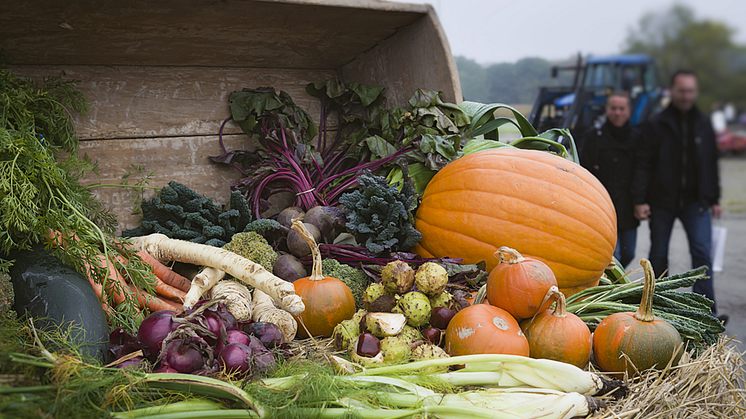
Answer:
(645, 311)
(560, 310)
(316, 273)
(506, 254)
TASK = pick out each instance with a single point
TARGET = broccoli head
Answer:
(354, 278)
(254, 247)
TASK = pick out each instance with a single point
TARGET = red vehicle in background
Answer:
(730, 142)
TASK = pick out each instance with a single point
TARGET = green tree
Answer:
(474, 84)
(678, 40)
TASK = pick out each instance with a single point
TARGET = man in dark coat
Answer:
(677, 177)
(609, 153)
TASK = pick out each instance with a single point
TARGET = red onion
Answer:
(269, 334)
(183, 356)
(121, 343)
(232, 336)
(235, 358)
(153, 330)
(165, 368)
(136, 363)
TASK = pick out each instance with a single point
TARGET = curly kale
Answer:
(354, 278)
(181, 213)
(379, 216)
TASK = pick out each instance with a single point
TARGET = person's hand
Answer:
(717, 211)
(642, 212)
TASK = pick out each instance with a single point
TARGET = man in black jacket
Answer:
(677, 177)
(608, 152)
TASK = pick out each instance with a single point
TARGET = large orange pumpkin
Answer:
(485, 329)
(548, 207)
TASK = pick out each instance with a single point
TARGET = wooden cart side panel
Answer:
(137, 101)
(183, 159)
(418, 56)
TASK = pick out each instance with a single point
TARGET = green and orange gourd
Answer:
(328, 300)
(637, 341)
(550, 208)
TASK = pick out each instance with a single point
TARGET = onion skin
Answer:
(269, 334)
(153, 330)
(235, 358)
(182, 357)
(232, 336)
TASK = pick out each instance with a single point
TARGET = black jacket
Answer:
(612, 160)
(658, 174)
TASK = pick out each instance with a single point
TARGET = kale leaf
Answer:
(381, 217)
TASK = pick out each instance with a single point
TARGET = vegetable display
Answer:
(549, 208)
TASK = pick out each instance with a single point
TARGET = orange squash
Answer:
(558, 335)
(548, 207)
(636, 341)
(519, 285)
(484, 329)
(328, 300)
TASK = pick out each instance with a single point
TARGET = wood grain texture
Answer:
(135, 101)
(297, 34)
(418, 56)
(183, 159)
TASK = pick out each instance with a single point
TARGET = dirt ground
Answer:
(730, 284)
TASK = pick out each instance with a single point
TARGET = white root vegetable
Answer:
(250, 273)
(237, 298)
(207, 278)
(263, 310)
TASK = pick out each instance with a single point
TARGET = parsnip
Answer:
(263, 310)
(164, 249)
(203, 282)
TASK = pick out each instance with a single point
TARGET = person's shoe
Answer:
(723, 319)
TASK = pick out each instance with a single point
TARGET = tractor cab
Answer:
(581, 105)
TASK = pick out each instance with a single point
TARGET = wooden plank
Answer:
(418, 56)
(263, 34)
(183, 159)
(136, 101)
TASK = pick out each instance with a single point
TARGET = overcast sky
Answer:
(492, 31)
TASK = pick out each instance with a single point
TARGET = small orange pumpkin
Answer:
(518, 285)
(646, 340)
(328, 300)
(484, 329)
(558, 335)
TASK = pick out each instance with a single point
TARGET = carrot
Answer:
(153, 303)
(165, 274)
(99, 290)
(165, 290)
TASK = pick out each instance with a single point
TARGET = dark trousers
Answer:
(698, 226)
(625, 246)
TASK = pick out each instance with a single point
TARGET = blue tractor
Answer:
(581, 105)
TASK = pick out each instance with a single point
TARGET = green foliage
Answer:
(181, 213)
(355, 279)
(677, 39)
(39, 188)
(254, 247)
(379, 216)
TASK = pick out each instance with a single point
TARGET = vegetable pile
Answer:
(420, 268)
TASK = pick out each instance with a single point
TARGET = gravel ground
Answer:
(730, 284)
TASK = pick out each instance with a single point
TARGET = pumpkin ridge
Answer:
(510, 169)
(581, 231)
(502, 191)
(554, 262)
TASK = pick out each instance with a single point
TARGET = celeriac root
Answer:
(250, 273)
(237, 299)
(263, 310)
